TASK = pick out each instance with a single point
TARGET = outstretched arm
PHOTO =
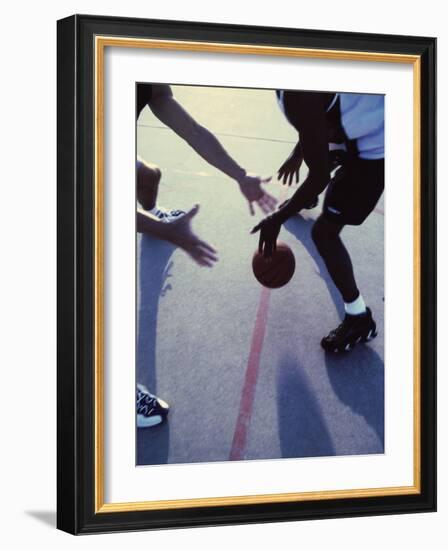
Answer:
(170, 112)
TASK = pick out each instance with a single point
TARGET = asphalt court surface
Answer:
(240, 366)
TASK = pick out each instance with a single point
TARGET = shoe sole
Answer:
(150, 422)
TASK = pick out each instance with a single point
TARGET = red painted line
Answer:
(248, 394)
(253, 364)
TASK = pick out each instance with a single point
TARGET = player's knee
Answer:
(157, 173)
(148, 174)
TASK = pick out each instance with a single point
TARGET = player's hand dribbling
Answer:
(250, 187)
(269, 230)
(291, 167)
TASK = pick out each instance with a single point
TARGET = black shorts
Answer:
(354, 191)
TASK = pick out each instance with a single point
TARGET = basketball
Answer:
(276, 271)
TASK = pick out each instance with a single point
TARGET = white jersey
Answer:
(362, 117)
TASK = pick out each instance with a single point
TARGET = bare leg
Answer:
(336, 257)
(148, 178)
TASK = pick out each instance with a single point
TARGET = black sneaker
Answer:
(151, 410)
(352, 330)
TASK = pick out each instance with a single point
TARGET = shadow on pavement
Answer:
(153, 444)
(357, 378)
(302, 428)
(154, 272)
(358, 381)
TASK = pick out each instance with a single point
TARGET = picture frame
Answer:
(82, 41)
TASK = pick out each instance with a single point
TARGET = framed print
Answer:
(246, 274)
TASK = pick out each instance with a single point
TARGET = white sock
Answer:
(358, 307)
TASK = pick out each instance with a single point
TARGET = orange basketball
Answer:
(276, 271)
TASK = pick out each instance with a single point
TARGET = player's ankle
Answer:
(356, 307)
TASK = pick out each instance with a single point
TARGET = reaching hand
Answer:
(181, 234)
(291, 167)
(269, 229)
(251, 188)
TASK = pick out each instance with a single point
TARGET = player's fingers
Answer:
(270, 204)
(251, 208)
(260, 244)
(266, 180)
(195, 257)
(200, 258)
(263, 205)
(281, 177)
(270, 198)
(207, 256)
(267, 250)
(207, 253)
(265, 208)
(206, 262)
(207, 246)
(291, 178)
(297, 176)
(190, 214)
(256, 228)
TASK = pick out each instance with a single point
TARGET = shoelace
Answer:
(338, 330)
(145, 403)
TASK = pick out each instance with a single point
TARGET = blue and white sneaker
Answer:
(165, 215)
(151, 410)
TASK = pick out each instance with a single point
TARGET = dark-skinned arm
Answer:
(290, 169)
(306, 112)
(165, 107)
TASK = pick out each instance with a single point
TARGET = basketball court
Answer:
(240, 365)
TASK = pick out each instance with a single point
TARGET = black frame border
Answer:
(76, 262)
